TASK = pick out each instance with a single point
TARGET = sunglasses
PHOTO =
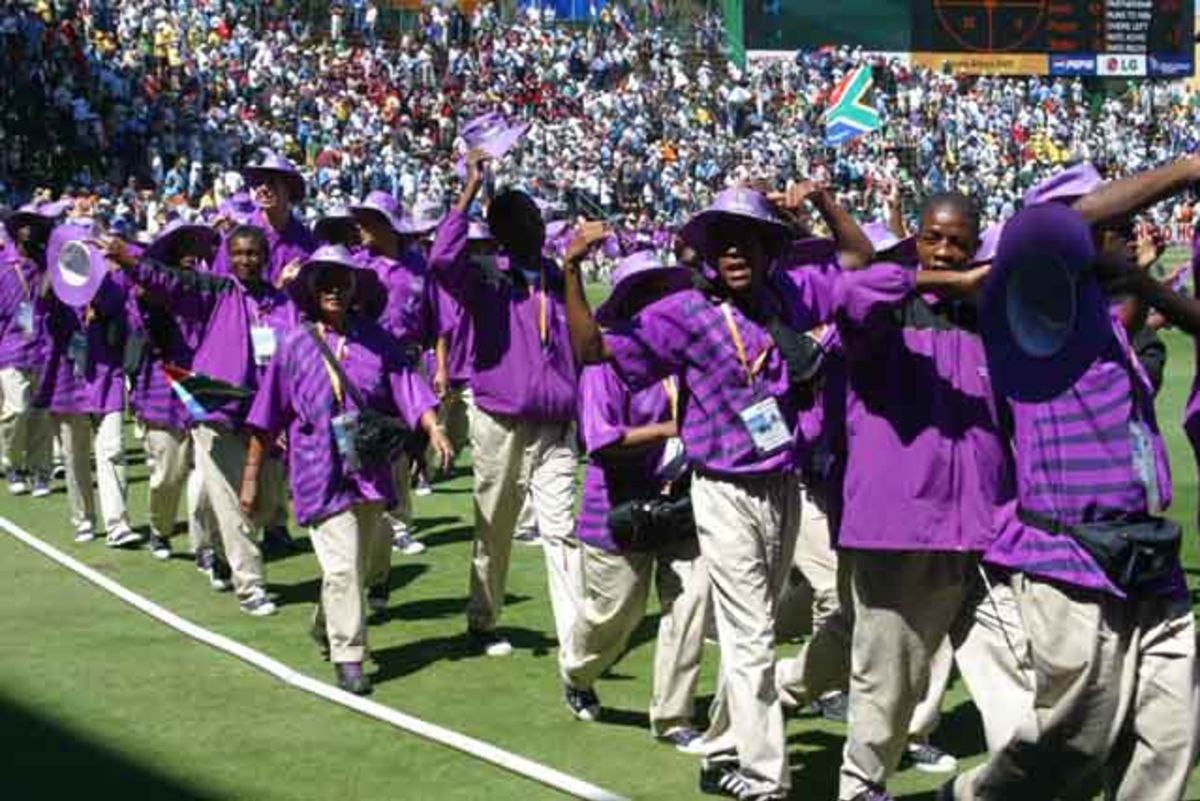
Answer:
(335, 282)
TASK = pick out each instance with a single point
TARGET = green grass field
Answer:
(98, 700)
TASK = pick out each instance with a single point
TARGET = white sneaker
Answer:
(407, 544)
(17, 486)
(121, 536)
(85, 535)
(423, 489)
(258, 604)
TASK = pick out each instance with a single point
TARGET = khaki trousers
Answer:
(25, 433)
(823, 664)
(513, 457)
(171, 451)
(343, 544)
(748, 529)
(202, 522)
(401, 517)
(616, 587)
(108, 441)
(221, 458)
(1116, 694)
(906, 603)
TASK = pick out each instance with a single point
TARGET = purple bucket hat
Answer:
(239, 208)
(493, 134)
(1043, 315)
(630, 275)
(273, 164)
(370, 295)
(381, 205)
(44, 213)
(77, 269)
(987, 244)
(1066, 186)
(888, 246)
(204, 238)
(740, 203)
(425, 218)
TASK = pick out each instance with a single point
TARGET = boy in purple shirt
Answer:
(737, 417)
(25, 433)
(339, 492)
(1114, 657)
(523, 383)
(635, 457)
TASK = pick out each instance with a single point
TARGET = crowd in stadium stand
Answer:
(147, 100)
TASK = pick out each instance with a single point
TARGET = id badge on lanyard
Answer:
(25, 318)
(345, 426)
(262, 339)
(766, 426)
(1144, 463)
(77, 353)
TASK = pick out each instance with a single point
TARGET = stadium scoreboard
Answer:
(1133, 38)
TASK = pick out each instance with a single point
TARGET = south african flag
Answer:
(850, 114)
(199, 393)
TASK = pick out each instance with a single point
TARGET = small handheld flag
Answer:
(199, 393)
(849, 114)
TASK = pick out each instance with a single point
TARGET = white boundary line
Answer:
(460, 742)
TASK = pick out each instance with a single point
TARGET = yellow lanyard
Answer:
(335, 380)
(752, 370)
(543, 312)
(672, 390)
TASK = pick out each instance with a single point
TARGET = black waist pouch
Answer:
(649, 523)
(1134, 553)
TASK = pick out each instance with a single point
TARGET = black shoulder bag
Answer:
(378, 438)
(647, 524)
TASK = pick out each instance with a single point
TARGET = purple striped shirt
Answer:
(608, 409)
(927, 464)
(296, 395)
(517, 369)
(1074, 459)
(168, 339)
(686, 335)
(226, 312)
(101, 386)
(411, 312)
(20, 279)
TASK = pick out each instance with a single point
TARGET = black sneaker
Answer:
(584, 704)
(220, 577)
(723, 777)
(377, 598)
(490, 643)
(159, 548)
(928, 759)
(350, 677)
(277, 541)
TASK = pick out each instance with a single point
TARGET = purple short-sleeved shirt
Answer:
(927, 464)
(168, 340)
(455, 326)
(227, 312)
(20, 279)
(296, 395)
(686, 334)
(411, 312)
(99, 387)
(1074, 457)
(521, 361)
(607, 410)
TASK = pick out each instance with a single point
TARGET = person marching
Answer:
(332, 375)
(410, 316)
(523, 381)
(26, 435)
(636, 468)
(82, 384)
(1095, 569)
(243, 317)
(742, 361)
(158, 339)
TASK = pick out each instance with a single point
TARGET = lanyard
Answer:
(672, 390)
(752, 370)
(543, 312)
(16, 265)
(335, 380)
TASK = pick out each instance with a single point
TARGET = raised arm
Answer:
(189, 294)
(1118, 200)
(854, 248)
(587, 341)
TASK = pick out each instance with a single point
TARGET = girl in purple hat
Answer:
(328, 373)
(736, 346)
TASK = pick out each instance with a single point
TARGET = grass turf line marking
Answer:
(460, 742)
